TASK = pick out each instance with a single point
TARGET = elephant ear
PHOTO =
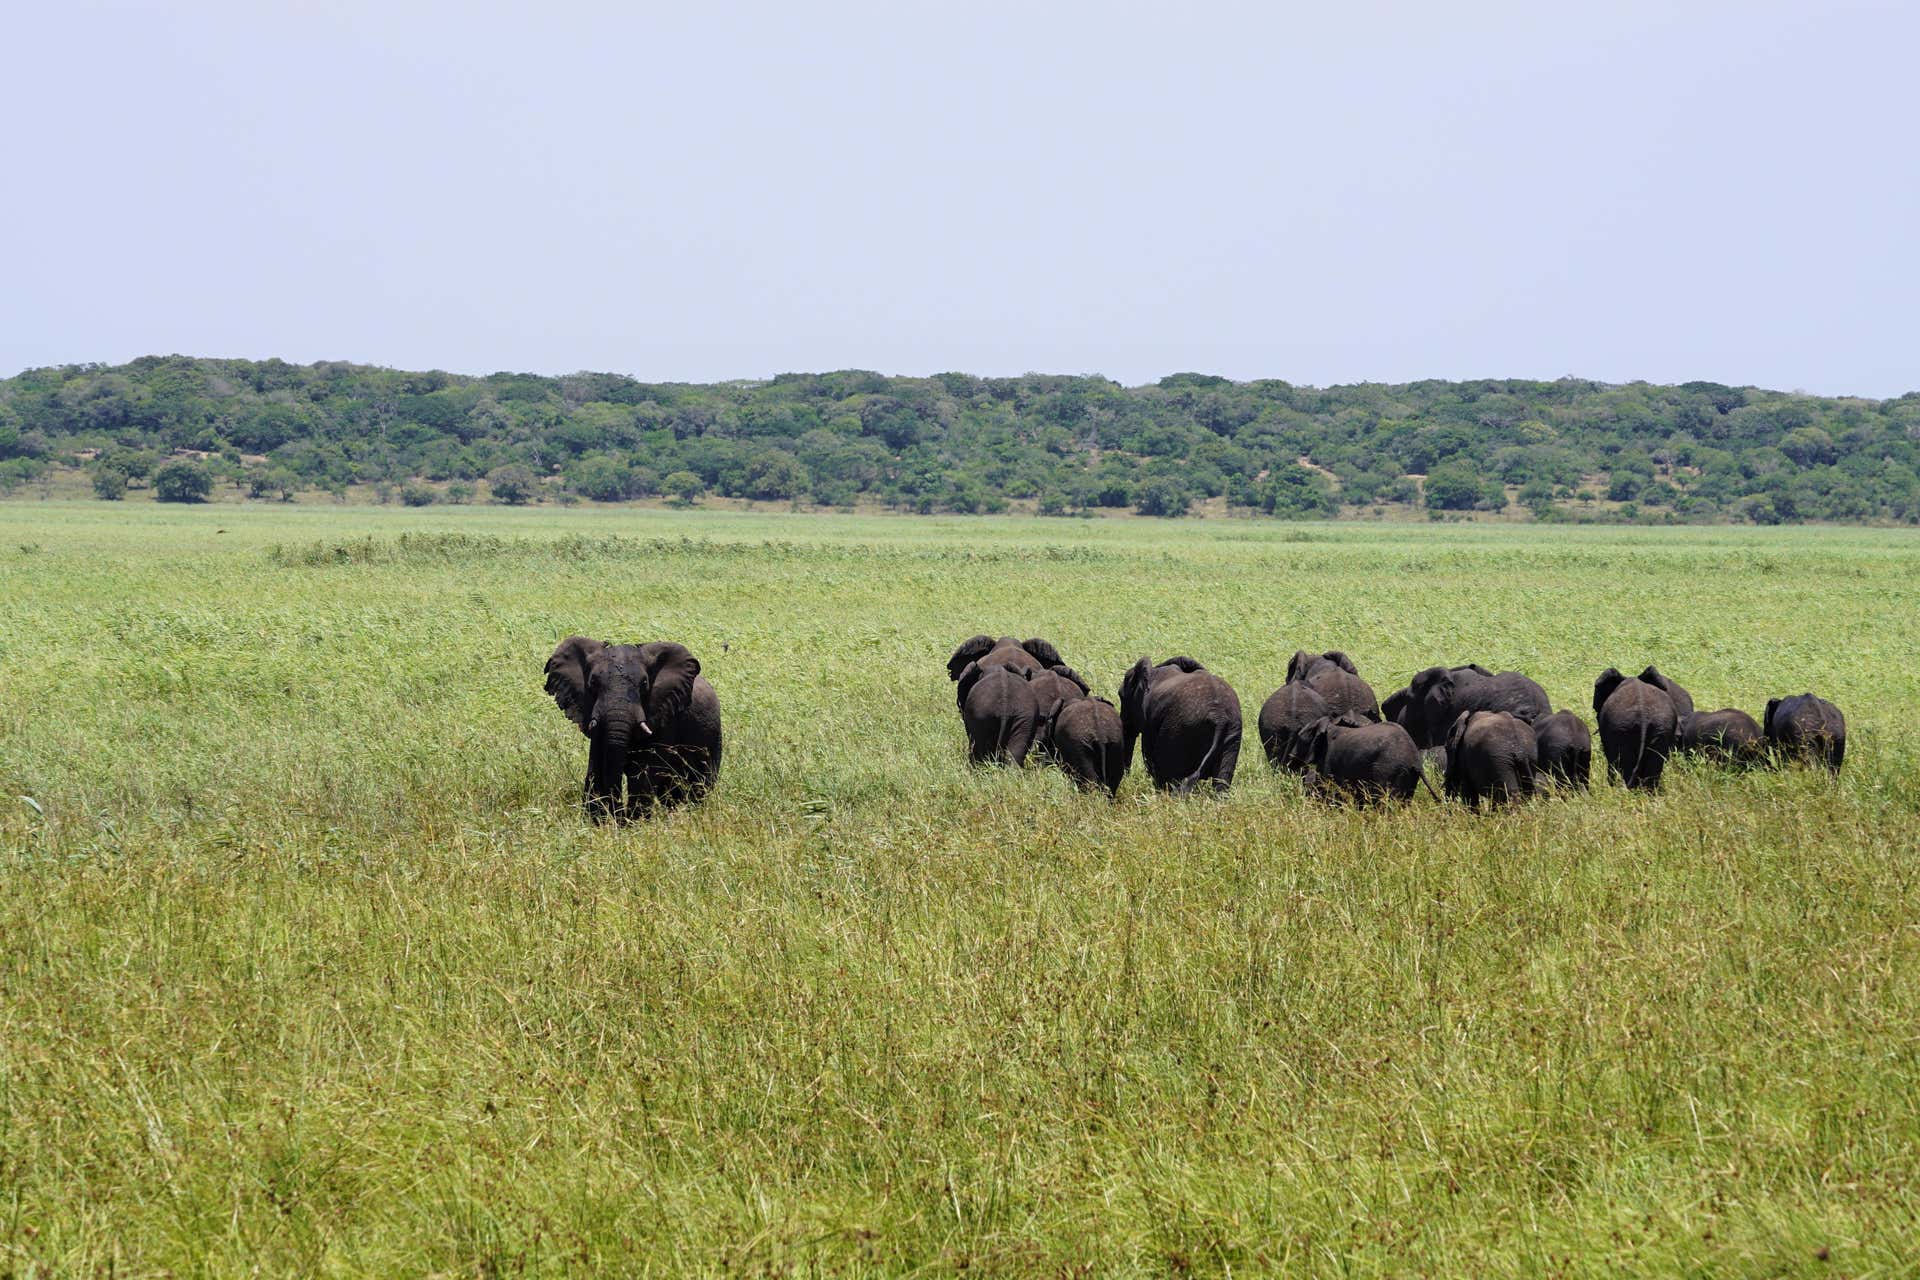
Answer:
(1044, 653)
(672, 670)
(567, 677)
(1396, 705)
(1603, 688)
(1457, 732)
(969, 651)
(1342, 661)
(1319, 742)
(1186, 664)
(1476, 668)
(1682, 700)
(1297, 665)
(1066, 672)
(1450, 762)
(1133, 700)
(968, 677)
(1766, 722)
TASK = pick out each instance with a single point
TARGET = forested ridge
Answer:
(1060, 444)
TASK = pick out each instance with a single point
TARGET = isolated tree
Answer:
(181, 480)
(512, 484)
(109, 483)
(1161, 496)
(683, 487)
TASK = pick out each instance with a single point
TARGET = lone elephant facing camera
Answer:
(650, 717)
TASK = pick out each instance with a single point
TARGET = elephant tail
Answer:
(1005, 724)
(1633, 776)
(1110, 767)
(1429, 786)
(1208, 760)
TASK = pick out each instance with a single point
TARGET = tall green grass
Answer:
(308, 963)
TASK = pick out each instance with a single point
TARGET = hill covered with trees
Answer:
(1699, 451)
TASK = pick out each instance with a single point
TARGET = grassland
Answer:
(308, 964)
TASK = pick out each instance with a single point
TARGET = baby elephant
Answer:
(1807, 728)
(1285, 716)
(1359, 760)
(1564, 749)
(1491, 756)
(1001, 713)
(1726, 736)
(1085, 737)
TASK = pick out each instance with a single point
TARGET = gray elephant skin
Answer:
(1439, 694)
(1085, 738)
(1288, 712)
(1565, 749)
(1333, 676)
(1727, 736)
(1029, 657)
(1639, 727)
(1491, 756)
(651, 719)
(1187, 721)
(1350, 758)
(1001, 713)
(1807, 727)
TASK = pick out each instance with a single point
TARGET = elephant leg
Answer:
(1020, 739)
(601, 797)
(1224, 767)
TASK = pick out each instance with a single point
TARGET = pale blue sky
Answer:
(1323, 193)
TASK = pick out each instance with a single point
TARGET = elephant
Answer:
(1058, 683)
(1087, 739)
(1808, 728)
(1055, 685)
(1028, 658)
(1440, 694)
(1187, 721)
(1491, 755)
(1333, 676)
(1403, 709)
(1283, 716)
(1001, 712)
(1565, 749)
(651, 717)
(1639, 725)
(1682, 700)
(1728, 736)
(1359, 760)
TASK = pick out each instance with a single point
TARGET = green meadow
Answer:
(310, 965)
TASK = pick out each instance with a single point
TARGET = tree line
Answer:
(1062, 445)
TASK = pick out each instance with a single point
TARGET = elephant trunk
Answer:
(609, 763)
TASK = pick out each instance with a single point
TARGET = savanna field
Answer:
(309, 963)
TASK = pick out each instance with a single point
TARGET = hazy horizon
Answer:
(1384, 194)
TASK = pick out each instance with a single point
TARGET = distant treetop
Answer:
(1700, 451)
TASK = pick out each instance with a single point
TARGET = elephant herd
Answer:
(1492, 736)
(652, 722)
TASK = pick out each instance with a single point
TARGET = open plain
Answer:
(309, 963)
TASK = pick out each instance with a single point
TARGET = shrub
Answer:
(512, 485)
(109, 483)
(418, 495)
(1161, 496)
(683, 487)
(182, 481)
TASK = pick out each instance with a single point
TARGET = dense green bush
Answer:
(957, 442)
(182, 481)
